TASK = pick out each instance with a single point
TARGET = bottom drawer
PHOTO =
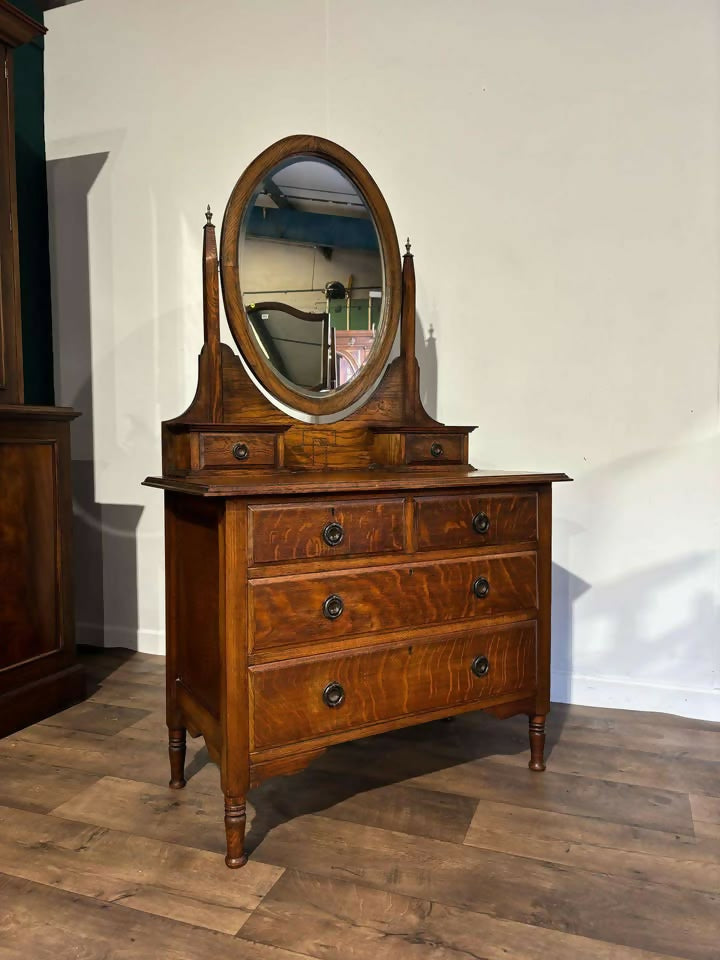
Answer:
(301, 699)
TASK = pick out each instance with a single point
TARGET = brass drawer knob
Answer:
(436, 450)
(481, 588)
(481, 522)
(333, 533)
(480, 666)
(333, 607)
(333, 694)
(241, 451)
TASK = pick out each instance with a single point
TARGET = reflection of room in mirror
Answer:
(311, 274)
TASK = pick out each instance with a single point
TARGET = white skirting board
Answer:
(622, 694)
(99, 635)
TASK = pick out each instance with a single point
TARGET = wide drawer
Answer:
(474, 520)
(341, 529)
(327, 606)
(301, 699)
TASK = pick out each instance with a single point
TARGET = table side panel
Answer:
(194, 600)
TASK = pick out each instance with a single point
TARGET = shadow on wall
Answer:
(566, 589)
(646, 635)
(627, 612)
(104, 535)
(426, 353)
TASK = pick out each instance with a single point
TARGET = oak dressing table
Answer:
(332, 574)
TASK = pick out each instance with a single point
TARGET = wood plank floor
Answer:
(433, 843)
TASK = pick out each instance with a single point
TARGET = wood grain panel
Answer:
(108, 865)
(29, 561)
(281, 532)
(669, 921)
(355, 921)
(289, 610)
(447, 521)
(39, 786)
(134, 753)
(388, 682)
(45, 923)
(577, 841)
(147, 810)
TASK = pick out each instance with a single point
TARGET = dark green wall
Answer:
(33, 215)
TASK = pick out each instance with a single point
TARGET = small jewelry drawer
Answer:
(280, 532)
(238, 450)
(429, 448)
(330, 606)
(301, 699)
(446, 521)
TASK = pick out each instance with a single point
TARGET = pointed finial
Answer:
(407, 246)
(208, 215)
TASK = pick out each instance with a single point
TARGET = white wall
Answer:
(556, 164)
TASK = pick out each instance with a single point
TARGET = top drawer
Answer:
(238, 450)
(427, 448)
(443, 522)
(291, 532)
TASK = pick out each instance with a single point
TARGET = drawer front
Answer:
(300, 699)
(326, 530)
(328, 606)
(428, 448)
(237, 449)
(474, 520)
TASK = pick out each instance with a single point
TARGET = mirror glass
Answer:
(311, 274)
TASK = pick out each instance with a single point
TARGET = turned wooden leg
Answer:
(235, 831)
(537, 743)
(176, 751)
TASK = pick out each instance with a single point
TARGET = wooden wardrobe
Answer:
(340, 570)
(38, 671)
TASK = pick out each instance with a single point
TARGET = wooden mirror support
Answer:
(326, 581)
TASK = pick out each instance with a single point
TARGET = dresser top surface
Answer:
(230, 484)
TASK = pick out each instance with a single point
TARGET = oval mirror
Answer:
(310, 271)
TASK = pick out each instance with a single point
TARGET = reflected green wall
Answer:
(33, 215)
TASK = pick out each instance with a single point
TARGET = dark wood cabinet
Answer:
(38, 672)
(10, 346)
(331, 580)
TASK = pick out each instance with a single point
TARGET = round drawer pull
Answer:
(480, 666)
(333, 607)
(241, 451)
(333, 533)
(436, 450)
(481, 588)
(481, 522)
(333, 694)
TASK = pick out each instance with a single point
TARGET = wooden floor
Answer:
(435, 843)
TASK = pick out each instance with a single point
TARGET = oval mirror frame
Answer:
(305, 146)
